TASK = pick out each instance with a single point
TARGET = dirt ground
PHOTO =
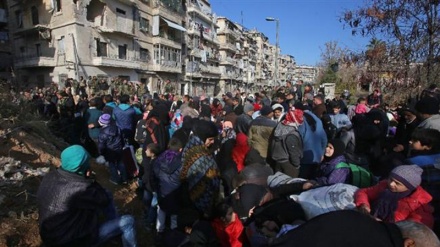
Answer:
(30, 147)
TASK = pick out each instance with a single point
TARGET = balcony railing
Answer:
(167, 66)
(115, 61)
(166, 42)
(26, 61)
(228, 46)
(203, 14)
(167, 6)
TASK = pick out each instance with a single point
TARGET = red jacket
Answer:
(230, 235)
(414, 207)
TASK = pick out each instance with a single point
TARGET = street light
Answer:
(276, 46)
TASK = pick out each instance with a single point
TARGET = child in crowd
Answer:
(398, 198)
(227, 226)
(361, 106)
(150, 197)
(328, 174)
(110, 146)
(425, 152)
(165, 182)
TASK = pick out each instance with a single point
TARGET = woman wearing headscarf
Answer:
(328, 174)
(200, 175)
(227, 167)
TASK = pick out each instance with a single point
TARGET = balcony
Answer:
(123, 26)
(213, 70)
(236, 34)
(211, 37)
(204, 15)
(228, 61)
(114, 61)
(167, 66)
(228, 46)
(34, 61)
(167, 42)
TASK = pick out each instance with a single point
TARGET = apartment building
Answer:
(134, 40)
(231, 62)
(6, 72)
(306, 73)
(146, 41)
(202, 63)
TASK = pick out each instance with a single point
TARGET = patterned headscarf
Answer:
(294, 117)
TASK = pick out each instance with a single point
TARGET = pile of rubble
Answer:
(13, 172)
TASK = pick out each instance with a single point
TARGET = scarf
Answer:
(386, 204)
(293, 117)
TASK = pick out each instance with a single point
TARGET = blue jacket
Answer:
(110, 142)
(314, 142)
(125, 117)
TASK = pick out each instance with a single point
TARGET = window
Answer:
(144, 54)
(34, 13)
(38, 50)
(122, 52)
(143, 24)
(120, 11)
(58, 5)
(61, 45)
(19, 18)
(101, 48)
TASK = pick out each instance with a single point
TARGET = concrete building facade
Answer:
(172, 46)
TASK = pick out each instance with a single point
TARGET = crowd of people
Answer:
(206, 164)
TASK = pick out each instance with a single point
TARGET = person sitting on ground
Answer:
(71, 202)
(328, 174)
(397, 198)
(358, 230)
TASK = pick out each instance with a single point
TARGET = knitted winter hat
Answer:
(409, 175)
(104, 119)
(75, 159)
(205, 129)
(248, 107)
(428, 105)
(265, 110)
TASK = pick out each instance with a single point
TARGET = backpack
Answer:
(360, 177)
(279, 152)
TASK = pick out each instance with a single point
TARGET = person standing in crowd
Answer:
(260, 131)
(428, 109)
(314, 143)
(339, 119)
(91, 118)
(110, 146)
(278, 112)
(244, 120)
(125, 117)
(200, 174)
(70, 204)
(319, 108)
(374, 100)
(287, 149)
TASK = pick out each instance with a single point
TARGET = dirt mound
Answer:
(27, 152)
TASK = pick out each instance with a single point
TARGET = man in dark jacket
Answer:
(244, 120)
(70, 203)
